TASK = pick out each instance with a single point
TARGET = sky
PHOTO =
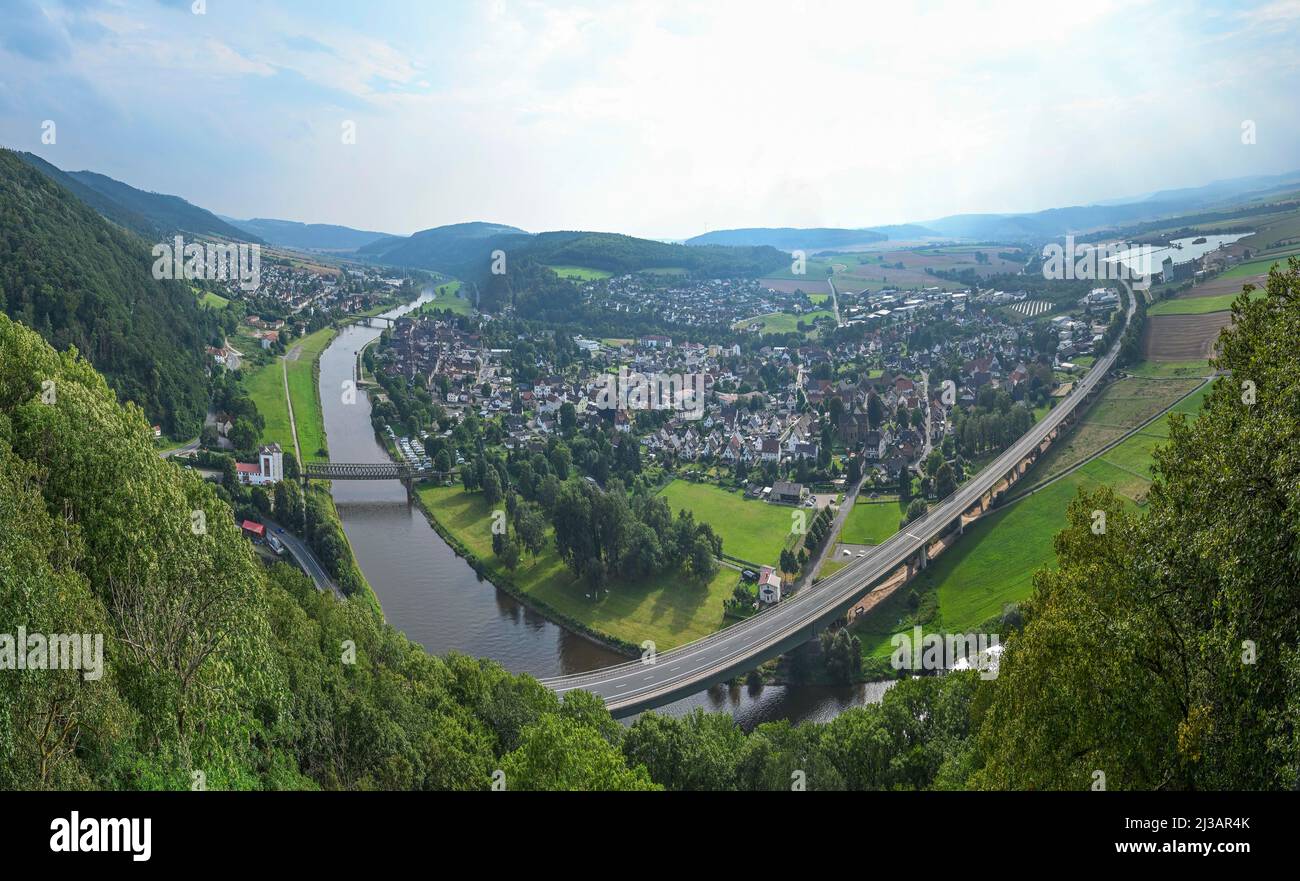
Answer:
(659, 119)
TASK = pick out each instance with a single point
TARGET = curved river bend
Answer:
(436, 599)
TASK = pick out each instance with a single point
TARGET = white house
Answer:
(769, 586)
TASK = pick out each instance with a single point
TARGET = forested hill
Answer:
(465, 251)
(152, 215)
(308, 236)
(80, 281)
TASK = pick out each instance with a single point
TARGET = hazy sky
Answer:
(657, 119)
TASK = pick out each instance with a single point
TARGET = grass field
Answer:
(785, 322)
(1198, 305)
(870, 523)
(266, 387)
(447, 297)
(581, 273)
(750, 529)
(1262, 266)
(1122, 406)
(668, 610)
(214, 301)
(306, 404)
(1171, 369)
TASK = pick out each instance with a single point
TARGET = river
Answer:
(436, 599)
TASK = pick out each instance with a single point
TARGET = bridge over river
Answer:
(408, 474)
(638, 685)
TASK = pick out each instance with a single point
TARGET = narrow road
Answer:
(288, 401)
(303, 554)
(190, 447)
(828, 547)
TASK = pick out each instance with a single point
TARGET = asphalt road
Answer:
(638, 685)
(303, 554)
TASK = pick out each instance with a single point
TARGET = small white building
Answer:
(268, 470)
(769, 586)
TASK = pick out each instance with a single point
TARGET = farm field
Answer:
(1199, 305)
(668, 610)
(751, 529)
(815, 270)
(1182, 337)
(1032, 308)
(994, 563)
(871, 522)
(1261, 266)
(581, 273)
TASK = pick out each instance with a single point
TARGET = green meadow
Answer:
(669, 610)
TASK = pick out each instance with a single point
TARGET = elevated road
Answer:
(640, 685)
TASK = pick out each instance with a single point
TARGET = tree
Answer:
(509, 552)
(530, 527)
(842, 653)
(875, 410)
(244, 436)
(933, 462)
(916, 510)
(559, 754)
(290, 508)
(703, 564)
(491, 486)
(855, 470)
(945, 481)
(568, 418)
(788, 561)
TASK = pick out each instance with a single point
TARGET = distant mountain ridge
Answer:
(465, 250)
(307, 236)
(1016, 226)
(789, 238)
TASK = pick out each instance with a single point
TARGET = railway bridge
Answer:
(402, 471)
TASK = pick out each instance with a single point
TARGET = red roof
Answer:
(246, 468)
(255, 528)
